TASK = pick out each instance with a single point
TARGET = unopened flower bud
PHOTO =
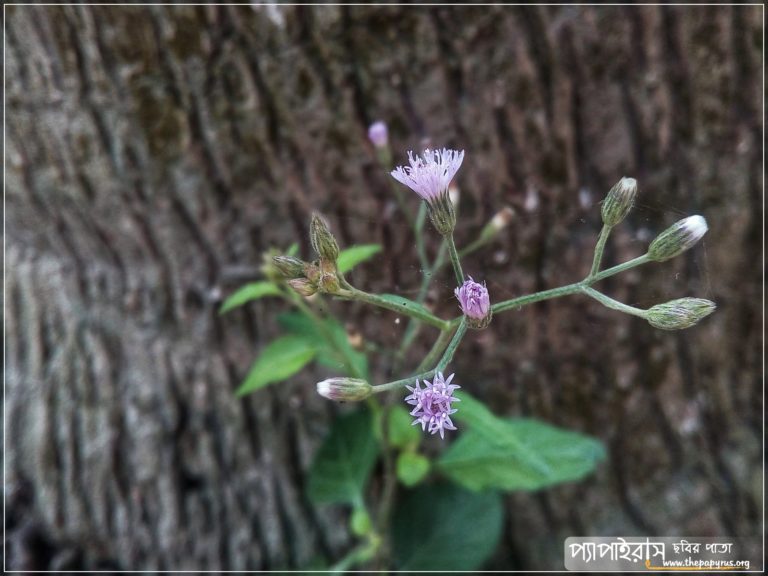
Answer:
(677, 238)
(322, 240)
(344, 389)
(679, 314)
(303, 286)
(289, 266)
(312, 271)
(500, 220)
(329, 280)
(619, 201)
(378, 134)
(475, 304)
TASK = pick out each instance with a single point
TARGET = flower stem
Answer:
(403, 307)
(450, 351)
(455, 259)
(437, 349)
(568, 289)
(613, 304)
(395, 384)
(537, 297)
(599, 248)
(619, 268)
(441, 365)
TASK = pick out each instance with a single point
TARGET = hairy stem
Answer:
(613, 304)
(619, 268)
(402, 307)
(441, 365)
(537, 297)
(455, 259)
(437, 349)
(451, 350)
(599, 248)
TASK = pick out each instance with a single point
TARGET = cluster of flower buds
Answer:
(308, 278)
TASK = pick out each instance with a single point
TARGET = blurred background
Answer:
(153, 153)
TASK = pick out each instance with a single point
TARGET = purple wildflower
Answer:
(433, 404)
(378, 134)
(475, 303)
(430, 174)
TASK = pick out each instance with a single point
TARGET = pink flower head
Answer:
(378, 134)
(475, 302)
(430, 174)
(433, 404)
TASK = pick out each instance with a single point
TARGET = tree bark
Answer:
(155, 152)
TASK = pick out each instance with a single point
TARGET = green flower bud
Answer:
(303, 286)
(289, 266)
(500, 220)
(344, 389)
(679, 314)
(329, 279)
(619, 201)
(677, 238)
(322, 240)
(443, 214)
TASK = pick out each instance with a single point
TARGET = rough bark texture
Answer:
(153, 154)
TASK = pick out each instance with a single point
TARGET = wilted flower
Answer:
(475, 303)
(677, 238)
(378, 134)
(433, 404)
(429, 175)
(344, 389)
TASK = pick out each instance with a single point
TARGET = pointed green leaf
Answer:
(401, 431)
(332, 343)
(404, 303)
(281, 359)
(444, 527)
(343, 464)
(411, 468)
(249, 292)
(351, 257)
(515, 454)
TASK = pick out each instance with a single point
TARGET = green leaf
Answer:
(411, 468)
(249, 292)
(280, 359)
(515, 454)
(351, 257)
(401, 432)
(334, 351)
(444, 527)
(293, 249)
(343, 464)
(405, 303)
